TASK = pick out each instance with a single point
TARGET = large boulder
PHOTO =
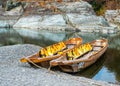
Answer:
(58, 21)
(91, 23)
(75, 16)
(82, 8)
(83, 20)
(28, 22)
(48, 22)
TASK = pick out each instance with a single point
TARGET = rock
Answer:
(15, 11)
(76, 16)
(28, 22)
(83, 20)
(54, 22)
(90, 23)
(11, 5)
(71, 21)
(117, 21)
(7, 21)
(113, 16)
(82, 8)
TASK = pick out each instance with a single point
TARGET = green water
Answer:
(107, 68)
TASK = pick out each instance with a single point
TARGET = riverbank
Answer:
(14, 73)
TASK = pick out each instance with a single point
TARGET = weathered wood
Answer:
(36, 59)
(75, 65)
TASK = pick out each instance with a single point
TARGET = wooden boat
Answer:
(51, 52)
(81, 56)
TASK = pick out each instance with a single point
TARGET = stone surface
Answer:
(84, 20)
(28, 22)
(81, 7)
(8, 21)
(113, 16)
(54, 22)
(15, 11)
(76, 16)
(14, 73)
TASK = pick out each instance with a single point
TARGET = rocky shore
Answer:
(74, 16)
(14, 73)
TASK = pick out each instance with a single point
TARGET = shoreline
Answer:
(25, 75)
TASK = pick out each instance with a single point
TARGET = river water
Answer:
(107, 68)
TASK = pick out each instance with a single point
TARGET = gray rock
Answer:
(28, 22)
(54, 22)
(15, 11)
(81, 7)
(83, 20)
(117, 19)
(113, 16)
(76, 16)
(71, 21)
(8, 21)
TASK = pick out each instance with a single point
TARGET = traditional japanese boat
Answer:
(81, 56)
(51, 52)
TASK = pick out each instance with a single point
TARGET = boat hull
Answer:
(82, 63)
(35, 59)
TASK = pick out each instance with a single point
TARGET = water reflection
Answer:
(112, 62)
(92, 70)
(107, 68)
(43, 38)
(9, 37)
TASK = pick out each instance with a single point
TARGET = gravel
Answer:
(14, 73)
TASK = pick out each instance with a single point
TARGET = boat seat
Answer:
(70, 45)
(96, 48)
(86, 56)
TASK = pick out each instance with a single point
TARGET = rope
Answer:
(34, 63)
